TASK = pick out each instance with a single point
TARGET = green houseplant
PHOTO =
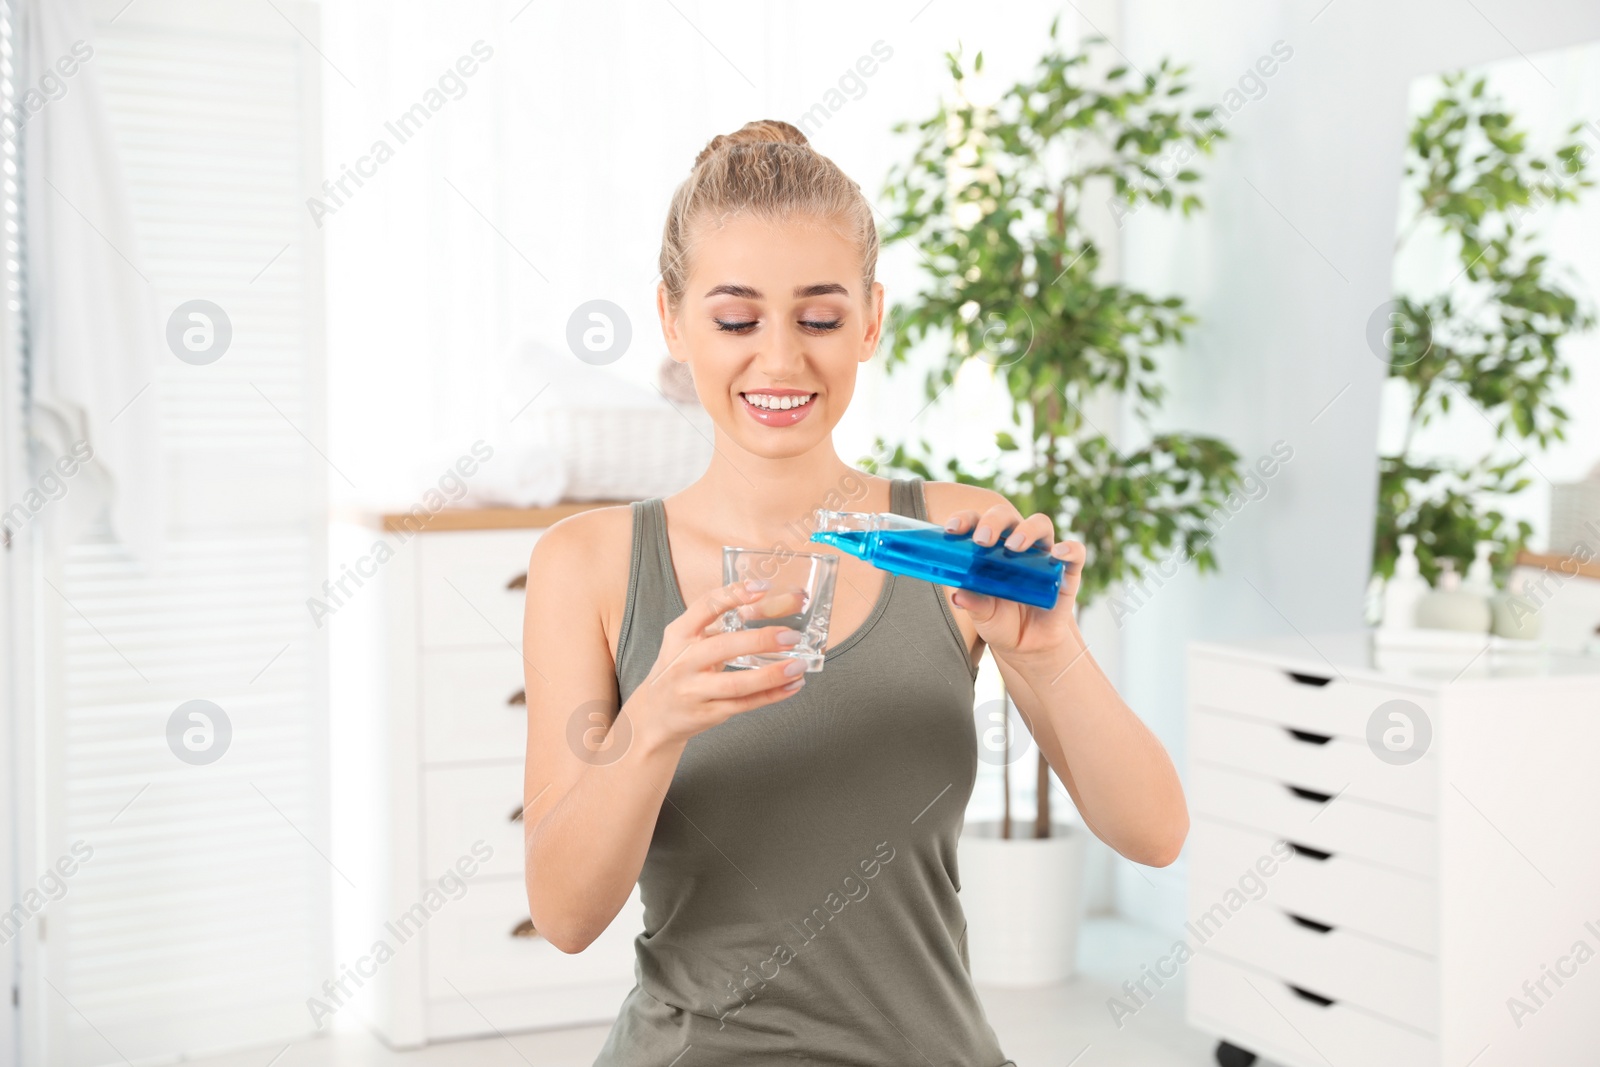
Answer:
(996, 200)
(1489, 339)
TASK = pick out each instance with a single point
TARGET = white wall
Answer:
(1284, 267)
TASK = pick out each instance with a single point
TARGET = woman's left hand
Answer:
(1006, 626)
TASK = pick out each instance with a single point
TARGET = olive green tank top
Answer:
(801, 888)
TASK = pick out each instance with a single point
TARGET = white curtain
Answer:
(91, 310)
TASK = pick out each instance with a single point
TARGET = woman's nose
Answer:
(782, 356)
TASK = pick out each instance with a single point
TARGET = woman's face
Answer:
(773, 323)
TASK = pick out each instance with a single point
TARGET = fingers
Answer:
(773, 679)
(713, 651)
(961, 521)
(1070, 551)
(989, 526)
(781, 600)
(1035, 529)
(733, 706)
(709, 608)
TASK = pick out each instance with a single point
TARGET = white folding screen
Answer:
(196, 915)
(14, 633)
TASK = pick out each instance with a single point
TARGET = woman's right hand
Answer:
(687, 690)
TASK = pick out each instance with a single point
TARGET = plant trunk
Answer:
(1005, 764)
(1041, 820)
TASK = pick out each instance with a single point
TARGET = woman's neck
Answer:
(773, 501)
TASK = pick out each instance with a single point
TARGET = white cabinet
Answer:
(1393, 857)
(435, 765)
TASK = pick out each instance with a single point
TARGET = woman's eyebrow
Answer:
(748, 293)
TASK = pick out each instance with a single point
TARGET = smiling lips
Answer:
(777, 407)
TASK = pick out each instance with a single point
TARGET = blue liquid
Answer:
(1032, 576)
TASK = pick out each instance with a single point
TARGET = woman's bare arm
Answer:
(587, 815)
(593, 790)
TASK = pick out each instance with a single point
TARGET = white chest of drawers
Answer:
(428, 780)
(1433, 913)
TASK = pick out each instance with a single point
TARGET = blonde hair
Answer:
(768, 169)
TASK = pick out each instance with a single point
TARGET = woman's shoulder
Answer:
(583, 551)
(945, 498)
(582, 562)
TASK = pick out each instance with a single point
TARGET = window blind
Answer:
(200, 922)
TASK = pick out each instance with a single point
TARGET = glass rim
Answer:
(830, 558)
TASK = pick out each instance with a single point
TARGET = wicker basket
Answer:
(1575, 515)
(613, 437)
(633, 452)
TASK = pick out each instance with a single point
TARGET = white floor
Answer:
(1068, 1025)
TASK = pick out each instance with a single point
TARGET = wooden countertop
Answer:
(1567, 565)
(448, 519)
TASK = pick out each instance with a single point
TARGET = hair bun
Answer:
(771, 131)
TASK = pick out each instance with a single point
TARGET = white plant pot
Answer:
(1023, 900)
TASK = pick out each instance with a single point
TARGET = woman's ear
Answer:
(669, 324)
(869, 342)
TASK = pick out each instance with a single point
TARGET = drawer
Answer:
(1339, 890)
(1323, 703)
(470, 946)
(1263, 1014)
(465, 805)
(470, 586)
(1318, 761)
(1324, 820)
(1334, 961)
(472, 705)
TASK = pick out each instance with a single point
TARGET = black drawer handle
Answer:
(1309, 679)
(1305, 994)
(516, 814)
(517, 699)
(519, 582)
(1309, 794)
(1311, 853)
(1308, 737)
(525, 929)
(1310, 924)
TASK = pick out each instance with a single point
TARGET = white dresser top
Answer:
(1354, 657)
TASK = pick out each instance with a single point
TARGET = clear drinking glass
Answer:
(807, 576)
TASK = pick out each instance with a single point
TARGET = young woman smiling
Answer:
(751, 805)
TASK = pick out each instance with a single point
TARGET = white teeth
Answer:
(777, 403)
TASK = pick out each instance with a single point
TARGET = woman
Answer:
(794, 837)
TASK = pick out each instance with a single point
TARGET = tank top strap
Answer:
(906, 497)
(650, 602)
(903, 493)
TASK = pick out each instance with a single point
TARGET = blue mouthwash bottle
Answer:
(903, 545)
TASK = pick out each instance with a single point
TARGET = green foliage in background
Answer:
(1489, 339)
(995, 199)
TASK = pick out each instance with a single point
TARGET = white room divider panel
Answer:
(199, 917)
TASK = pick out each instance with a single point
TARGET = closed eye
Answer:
(740, 327)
